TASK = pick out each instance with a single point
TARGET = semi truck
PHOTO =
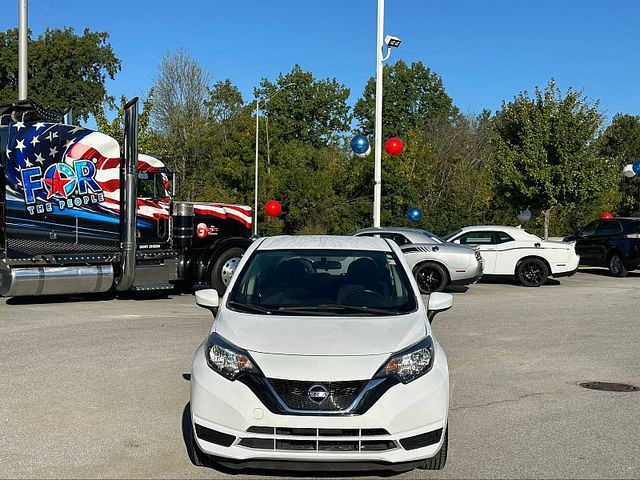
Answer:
(77, 216)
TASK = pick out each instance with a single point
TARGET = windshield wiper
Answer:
(331, 307)
(248, 307)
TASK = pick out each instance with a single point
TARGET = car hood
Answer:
(319, 335)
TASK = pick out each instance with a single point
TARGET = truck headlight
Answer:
(227, 359)
(411, 363)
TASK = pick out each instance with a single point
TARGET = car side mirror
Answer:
(208, 299)
(438, 302)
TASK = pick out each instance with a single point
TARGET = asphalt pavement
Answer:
(99, 387)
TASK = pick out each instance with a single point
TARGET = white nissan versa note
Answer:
(321, 356)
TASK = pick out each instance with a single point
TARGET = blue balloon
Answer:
(359, 144)
(636, 167)
(414, 214)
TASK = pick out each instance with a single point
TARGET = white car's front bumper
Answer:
(251, 432)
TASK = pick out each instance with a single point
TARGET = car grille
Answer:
(319, 439)
(295, 394)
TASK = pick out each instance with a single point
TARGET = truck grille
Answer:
(319, 439)
(340, 395)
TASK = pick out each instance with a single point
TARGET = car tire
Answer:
(431, 277)
(532, 272)
(224, 267)
(438, 461)
(616, 266)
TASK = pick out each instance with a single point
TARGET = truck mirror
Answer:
(208, 299)
(173, 184)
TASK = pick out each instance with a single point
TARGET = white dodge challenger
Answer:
(511, 251)
(321, 356)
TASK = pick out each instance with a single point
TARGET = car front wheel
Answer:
(438, 461)
(532, 272)
(431, 277)
(616, 266)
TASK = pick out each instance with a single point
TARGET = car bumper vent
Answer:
(213, 436)
(352, 440)
(422, 440)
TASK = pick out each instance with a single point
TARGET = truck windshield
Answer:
(323, 282)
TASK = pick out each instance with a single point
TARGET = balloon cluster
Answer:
(361, 147)
(632, 169)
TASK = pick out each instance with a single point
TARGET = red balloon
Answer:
(272, 208)
(393, 146)
(605, 215)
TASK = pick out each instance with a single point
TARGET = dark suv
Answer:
(613, 243)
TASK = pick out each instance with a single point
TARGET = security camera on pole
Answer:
(390, 42)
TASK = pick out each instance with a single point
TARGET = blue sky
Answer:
(485, 51)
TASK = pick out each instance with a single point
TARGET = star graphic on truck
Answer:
(56, 185)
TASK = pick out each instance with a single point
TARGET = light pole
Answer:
(390, 42)
(255, 192)
(22, 49)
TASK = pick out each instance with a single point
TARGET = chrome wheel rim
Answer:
(228, 269)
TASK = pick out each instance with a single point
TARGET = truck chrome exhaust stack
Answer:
(128, 196)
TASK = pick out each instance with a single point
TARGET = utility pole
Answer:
(377, 174)
(23, 27)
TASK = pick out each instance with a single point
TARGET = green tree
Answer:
(305, 109)
(147, 143)
(621, 140)
(65, 70)
(413, 96)
(546, 154)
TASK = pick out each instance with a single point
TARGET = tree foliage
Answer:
(305, 109)
(65, 70)
(546, 154)
(413, 97)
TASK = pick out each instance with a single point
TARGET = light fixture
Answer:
(391, 41)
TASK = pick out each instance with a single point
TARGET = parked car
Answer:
(511, 251)
(321, 351)
(435, 263)
(613, 243)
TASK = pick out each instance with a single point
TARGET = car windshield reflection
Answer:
(323, 282)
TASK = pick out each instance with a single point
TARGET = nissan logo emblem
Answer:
(318, 394)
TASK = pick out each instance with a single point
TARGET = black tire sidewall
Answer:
(215, 279)
(523, 280)
(439, 269)
(623, 271)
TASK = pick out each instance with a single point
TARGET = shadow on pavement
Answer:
(604, 272)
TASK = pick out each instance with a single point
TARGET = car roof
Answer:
(515, 232)
(324, 242)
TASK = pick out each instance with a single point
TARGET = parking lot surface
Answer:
(99, 387)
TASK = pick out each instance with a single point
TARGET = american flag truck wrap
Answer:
(74, 211)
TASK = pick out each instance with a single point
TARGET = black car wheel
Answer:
(532, 272)
(616, 266)
(431, 277)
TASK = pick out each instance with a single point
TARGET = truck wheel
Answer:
(224, 268)
(532, 272)
(438, 461)
(616, 266)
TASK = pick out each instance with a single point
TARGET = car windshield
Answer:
(433, 236)
(447, 238)
(323, 282)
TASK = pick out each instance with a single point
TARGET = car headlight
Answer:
(411, 363)
(227, 359)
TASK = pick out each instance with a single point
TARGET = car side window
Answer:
(396, 237)
(590, 229)
(609, 227)
(477, 238)
(502, 237)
